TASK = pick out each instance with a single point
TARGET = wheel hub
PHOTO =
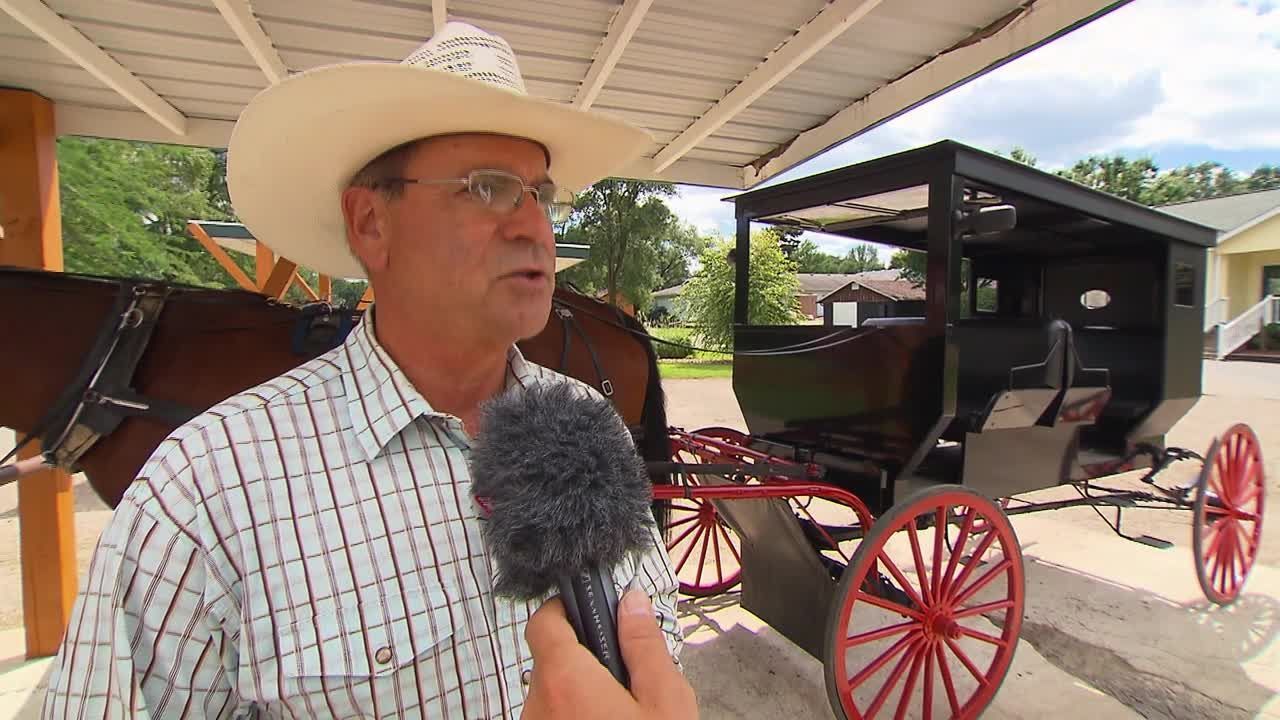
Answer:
(939, 625)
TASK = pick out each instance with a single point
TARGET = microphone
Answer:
(568, 499)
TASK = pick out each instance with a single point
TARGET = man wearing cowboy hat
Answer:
(310, 547)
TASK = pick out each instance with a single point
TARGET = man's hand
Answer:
(569, 682)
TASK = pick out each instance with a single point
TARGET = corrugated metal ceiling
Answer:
(682, 60)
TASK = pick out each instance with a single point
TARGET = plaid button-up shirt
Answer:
(309, 548)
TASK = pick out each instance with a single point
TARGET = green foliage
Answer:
(1141, 180)
(125, 207)
(624, 222)
(675, 252)
(788, 238)
(771, 297)
(912, 265)
(676, 335)
(860, 258)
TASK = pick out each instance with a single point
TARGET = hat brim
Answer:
(298, 143)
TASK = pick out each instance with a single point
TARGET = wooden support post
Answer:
(326, 288)
(222, 257)
(30, 213)
(264, 263)
(366, 299)
(280, 279)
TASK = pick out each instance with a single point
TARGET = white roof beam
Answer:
(240, 17)
(1013, 35)
(621, 28)
(439, 15)
(816, 34)
(39, 19)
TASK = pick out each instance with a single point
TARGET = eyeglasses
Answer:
(504, 192)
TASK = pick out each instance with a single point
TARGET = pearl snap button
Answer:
(383, 656)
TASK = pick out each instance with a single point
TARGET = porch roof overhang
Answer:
(734, 91)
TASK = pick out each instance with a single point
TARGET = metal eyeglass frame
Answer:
(556, 211)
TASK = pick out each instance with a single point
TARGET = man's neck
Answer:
(454, 375)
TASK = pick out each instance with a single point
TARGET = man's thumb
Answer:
(655, 682)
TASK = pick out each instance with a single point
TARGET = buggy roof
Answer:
(886, 200)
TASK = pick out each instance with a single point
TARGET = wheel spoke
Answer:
(715, 544)
(728, 540)
(972, 563)
(686, 521)
(880, 661)
(928, 683)
(1001, 567)
(939, 530)
(1253, 491)
(891, 606)
(921, 575)
(676, 543)
(957, 552)
(916, 662)
(702, 556)
(978, 635)
(982, 609)
(894, 676)
(902, 580)
(950, 684)
(873, 635)
(688, 551)
(1218, 535)
(964, 659)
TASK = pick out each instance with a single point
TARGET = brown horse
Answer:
(106, 368)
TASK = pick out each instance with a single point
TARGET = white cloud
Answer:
(1152, 75)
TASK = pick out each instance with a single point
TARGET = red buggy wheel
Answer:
(1227, 527)
(918, 630)
(705, 551)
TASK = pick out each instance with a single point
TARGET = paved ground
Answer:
(1112, 629)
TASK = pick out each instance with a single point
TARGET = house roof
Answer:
(733, 91)
(821, 284)
(1229, 213)
(888, 283)
(673, 291)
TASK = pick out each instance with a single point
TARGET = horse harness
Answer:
(569, 325)
(101, 395)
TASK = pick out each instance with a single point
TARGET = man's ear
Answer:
(364, 211)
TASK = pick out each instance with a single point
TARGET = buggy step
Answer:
(1155, 542)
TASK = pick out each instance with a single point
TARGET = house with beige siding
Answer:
(1242, 275)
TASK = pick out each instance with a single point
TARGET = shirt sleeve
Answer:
(146, 638)
(652, 572)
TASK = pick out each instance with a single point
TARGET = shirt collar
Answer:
(380, 398)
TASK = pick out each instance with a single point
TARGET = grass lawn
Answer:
(675, 370)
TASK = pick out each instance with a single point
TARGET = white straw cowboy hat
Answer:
(298, 143)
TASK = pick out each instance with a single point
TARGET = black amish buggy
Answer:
(1061, 341)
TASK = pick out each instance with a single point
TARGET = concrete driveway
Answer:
(1112, 628)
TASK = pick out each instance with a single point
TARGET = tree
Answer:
(911, 264)
(1117, 175)
(809, 259)
(1020, 154)
(708, 297)
(676, 251)
(861, 258)
(624, 222)
(788, 238)
(1265, 177)
(125, 207)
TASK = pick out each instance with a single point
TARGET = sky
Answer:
(1181, 81)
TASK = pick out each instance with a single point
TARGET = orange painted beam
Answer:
(326, 288)
(30, 213)
(306, 289)
(222, 257)
(366, 299)
(264, 263)
(280, 278)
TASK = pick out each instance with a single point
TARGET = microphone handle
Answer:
(591, 603)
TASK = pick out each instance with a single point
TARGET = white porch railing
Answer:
(1250, 322)
(1215, 313)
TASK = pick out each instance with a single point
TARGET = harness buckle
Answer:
(606, 387)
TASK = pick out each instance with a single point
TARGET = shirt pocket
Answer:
(367, 641)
